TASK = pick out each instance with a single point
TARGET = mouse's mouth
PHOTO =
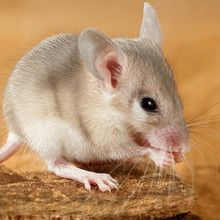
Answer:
(142, 141)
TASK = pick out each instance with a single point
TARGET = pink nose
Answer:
(173, 139)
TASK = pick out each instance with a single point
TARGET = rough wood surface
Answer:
(43, 196)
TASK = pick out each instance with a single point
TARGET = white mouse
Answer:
(89, 98)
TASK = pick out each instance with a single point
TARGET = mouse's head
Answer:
(140, 84)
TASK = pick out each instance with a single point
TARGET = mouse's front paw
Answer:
(161, 158)
(104, 181)
(63, 169)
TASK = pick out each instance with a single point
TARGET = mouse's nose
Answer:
(170, 139)
(173, 139)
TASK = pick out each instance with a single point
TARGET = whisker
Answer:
(118, 165)
(203, 125)
(193, 131)
(143, 176)
(127, 176)
(205, 117)
(204, 111)
(204, 121)
(152, 180)
(171, 176)
(194, 142)
(210, 151)
(191, 172)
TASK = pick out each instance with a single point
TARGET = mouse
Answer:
(89, 98)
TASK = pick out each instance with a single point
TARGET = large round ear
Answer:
(101, 57)
(150, 27)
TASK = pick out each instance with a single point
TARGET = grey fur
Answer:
(51, 80)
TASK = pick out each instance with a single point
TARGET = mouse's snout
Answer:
(170, 139)
(170, 142)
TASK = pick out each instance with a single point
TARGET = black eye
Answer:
(149, 104)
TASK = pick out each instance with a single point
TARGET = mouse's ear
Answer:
(150, 27)
(101, 56)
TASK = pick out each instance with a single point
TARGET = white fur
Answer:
(139, 116)
(138, 111)
(54, 138)
(107, 96)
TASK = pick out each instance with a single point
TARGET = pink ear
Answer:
(111, 67)
(114, 69)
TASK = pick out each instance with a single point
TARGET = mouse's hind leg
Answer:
(66, 170)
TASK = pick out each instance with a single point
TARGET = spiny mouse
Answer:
(89, 98)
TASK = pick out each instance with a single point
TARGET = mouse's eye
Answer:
(149, 104)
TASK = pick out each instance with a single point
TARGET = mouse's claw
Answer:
(104, 181)
(87, 184)
(102, 185)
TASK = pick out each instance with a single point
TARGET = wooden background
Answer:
(191, 43)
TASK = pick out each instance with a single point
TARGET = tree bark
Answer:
(41, 195)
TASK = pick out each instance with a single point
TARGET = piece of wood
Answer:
(41, 195)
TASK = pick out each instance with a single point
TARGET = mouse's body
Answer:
(51, 93)
(92, 99)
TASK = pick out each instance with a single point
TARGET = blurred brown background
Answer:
(191, 43)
